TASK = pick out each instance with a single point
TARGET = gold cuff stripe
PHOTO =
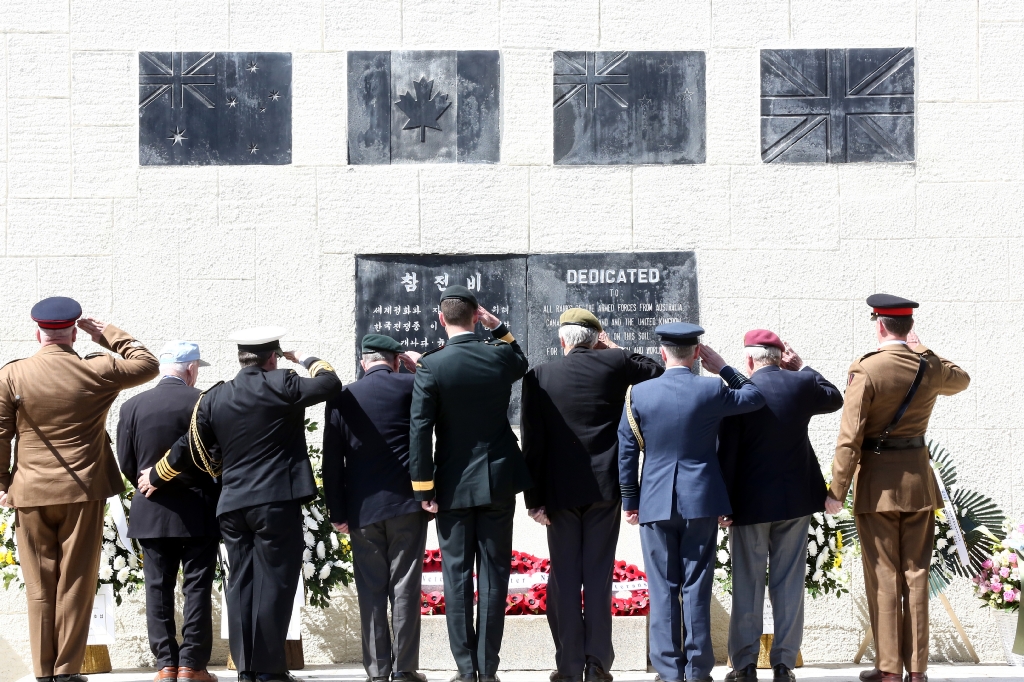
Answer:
(318, 366)
(422, 486)
(508, 338)
(165, 471)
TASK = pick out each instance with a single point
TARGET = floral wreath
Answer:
(534, 600)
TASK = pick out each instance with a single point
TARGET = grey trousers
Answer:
(781, 548)
(581, 542)
(388, 560)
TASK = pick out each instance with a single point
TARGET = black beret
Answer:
(460, 292)
(891, 306)
(374, 343)
(56, 312)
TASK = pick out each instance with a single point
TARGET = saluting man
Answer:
(56, 404)
(470, 480)
(250, 432)
(889, 399)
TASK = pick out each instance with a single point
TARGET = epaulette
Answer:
(97, 354)
(211, 388)
(869, 354)
(11, 361)
(433, 350)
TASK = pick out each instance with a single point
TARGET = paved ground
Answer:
(838, 673)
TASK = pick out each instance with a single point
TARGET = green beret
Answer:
(580, 317)
(460, 292)
(374, 343)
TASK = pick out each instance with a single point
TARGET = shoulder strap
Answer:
(632, 420)
(909, 397)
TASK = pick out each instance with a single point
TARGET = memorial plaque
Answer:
(399, 296)
(631, 293)
(629, 107)
(837, 106)
(215, 108)
(424, 106)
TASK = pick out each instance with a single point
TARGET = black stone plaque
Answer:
(215, 108)
(837, 106)
(631, 293)
(424, 106)
(629, 107)
(399, 296)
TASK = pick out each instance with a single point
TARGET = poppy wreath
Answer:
(535, 600)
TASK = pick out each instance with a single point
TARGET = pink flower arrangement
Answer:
(998, 584)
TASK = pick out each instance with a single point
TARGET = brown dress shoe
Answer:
(876, 675)
(195, 675)
(168, 674)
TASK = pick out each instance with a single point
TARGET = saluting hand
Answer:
(604, 342)
(913, 340)
(632, 516)
(145, 487)
(486, 319)
(294, 356)
(92, 327)
(409, 359)
(5, 501)
(713, 362)
(790, 360)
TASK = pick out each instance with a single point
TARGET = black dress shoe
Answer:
(44, 679)
(747, 673)
(559, 677)
(464, 677)
(276, 677)
(77, 677)
(386, 678)
(488, 678)
(781, 673)
(411, 676)
(596, 673)
(700, 679)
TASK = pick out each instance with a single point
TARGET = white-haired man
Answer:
(774, 483)
(176, 527)
(571, 412)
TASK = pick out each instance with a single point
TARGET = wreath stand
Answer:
(869, 636)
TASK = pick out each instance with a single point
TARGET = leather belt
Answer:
(878, 444)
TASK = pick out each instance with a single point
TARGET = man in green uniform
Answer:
(471, 478)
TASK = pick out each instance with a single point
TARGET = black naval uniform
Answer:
(462, 394)
(176, 527)
(250, 431)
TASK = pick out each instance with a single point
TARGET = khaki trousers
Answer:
(897, 552)
(59, 550)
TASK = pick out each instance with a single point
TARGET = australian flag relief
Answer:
(215, 108)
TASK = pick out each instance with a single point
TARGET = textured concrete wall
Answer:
(196, 252)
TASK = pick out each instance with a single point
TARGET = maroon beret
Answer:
(762, 337)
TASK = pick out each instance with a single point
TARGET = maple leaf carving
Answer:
(423, 112)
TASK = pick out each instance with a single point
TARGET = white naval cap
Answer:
(258, 339)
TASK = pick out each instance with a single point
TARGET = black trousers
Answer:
(388, 561)
(581, 542)
(162, 558)
(264, 546)
(480, 538)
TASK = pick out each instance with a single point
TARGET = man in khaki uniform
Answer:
(889, 399)
(56, 403)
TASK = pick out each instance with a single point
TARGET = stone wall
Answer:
(197, 252)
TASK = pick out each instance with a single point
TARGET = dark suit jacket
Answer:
(767, 460)
(149, 425)
(571, 412)
(462, 391)
(679, 415)
(253, 426)
(366, 449)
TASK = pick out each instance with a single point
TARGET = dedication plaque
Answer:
(398, 295)
(631, 293)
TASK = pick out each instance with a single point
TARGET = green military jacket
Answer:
(461, 394)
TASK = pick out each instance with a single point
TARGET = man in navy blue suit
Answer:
(369, 496)
(775, 485)
(675, 419)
